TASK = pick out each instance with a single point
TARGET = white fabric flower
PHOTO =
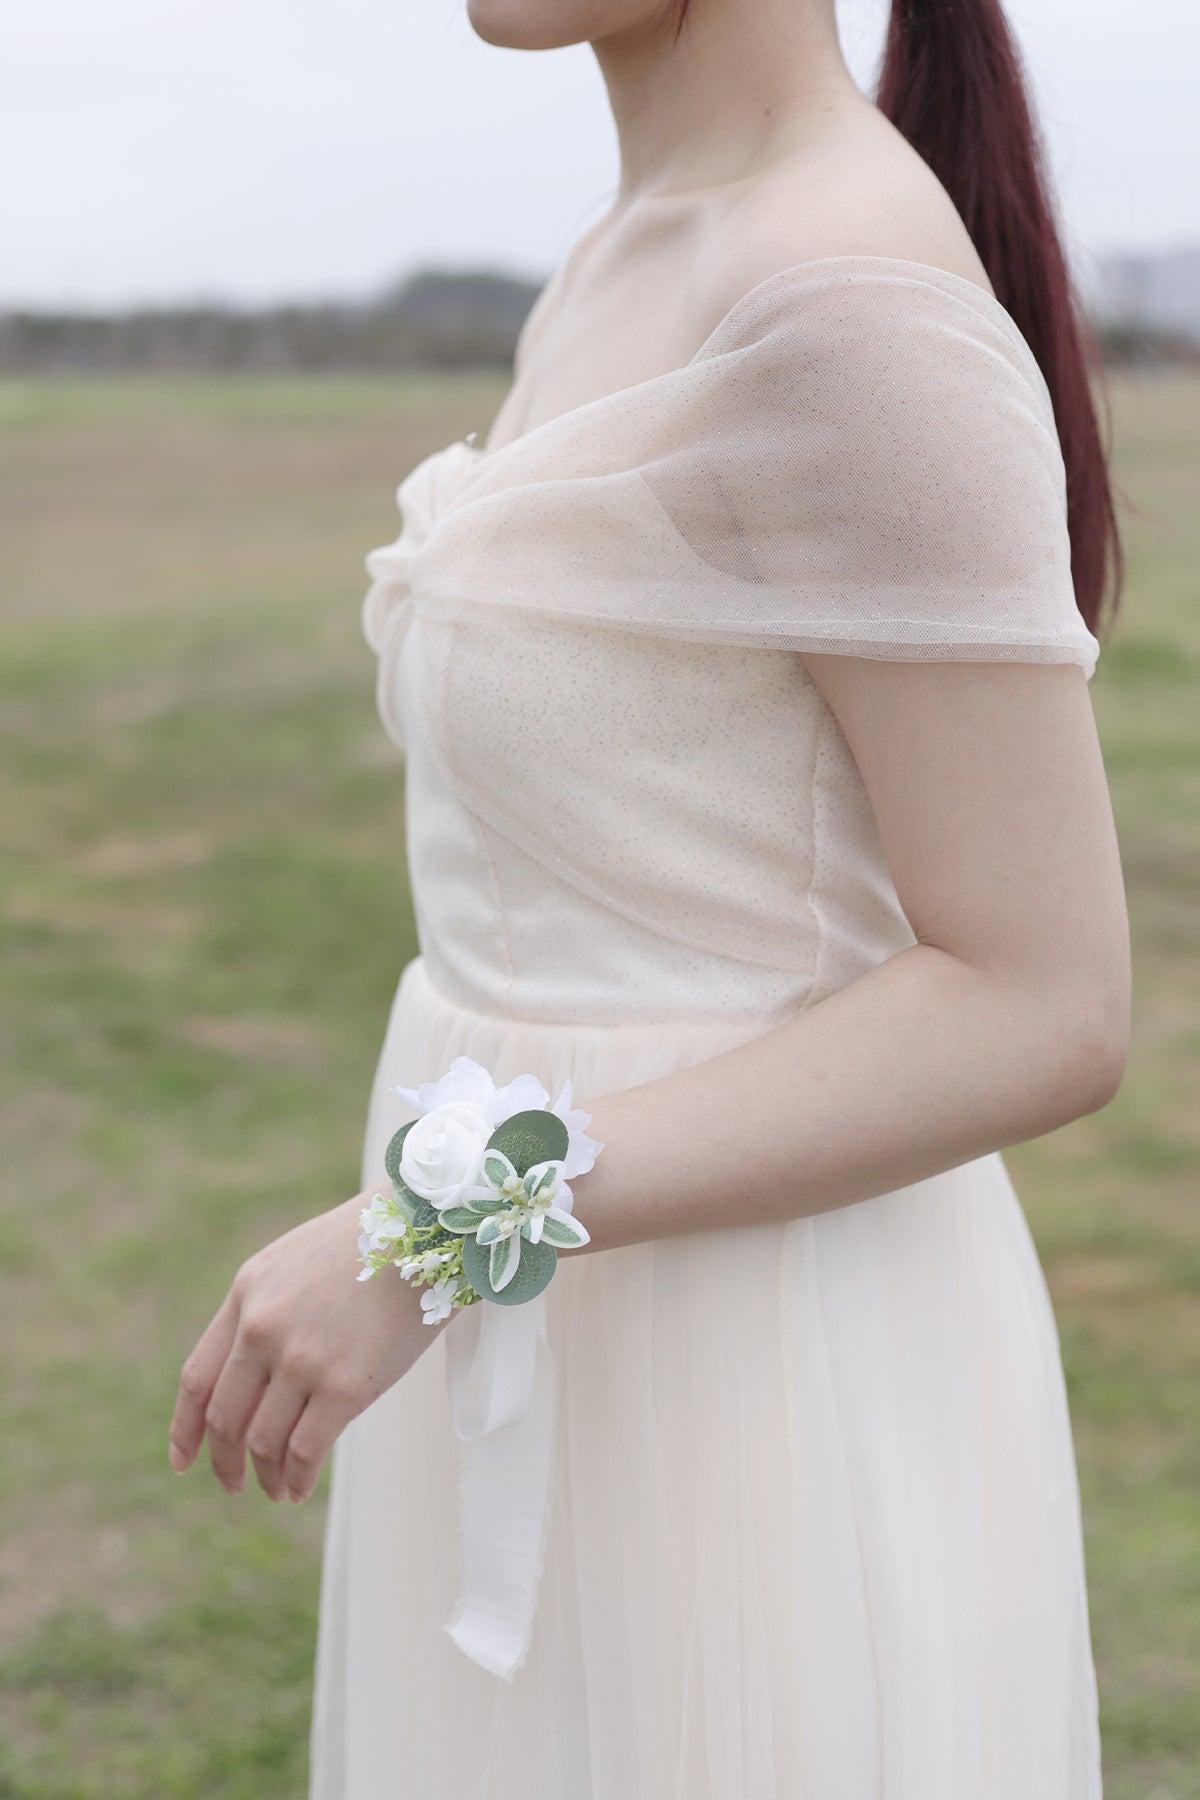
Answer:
(469, 1082)
(524, 1094)
(442, 1151)
(437, 1302)
(582, 1150)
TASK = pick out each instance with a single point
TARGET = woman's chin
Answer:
(553, 24)
(529, 24)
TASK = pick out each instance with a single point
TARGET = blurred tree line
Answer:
(437, 319)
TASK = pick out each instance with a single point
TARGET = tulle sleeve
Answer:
(862, 459)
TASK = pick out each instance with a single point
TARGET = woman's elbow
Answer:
(1094, 1049)
(1105, 1055)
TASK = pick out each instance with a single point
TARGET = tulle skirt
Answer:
(814, 1531)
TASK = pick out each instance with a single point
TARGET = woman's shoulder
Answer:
(860, 194)
(872, 288)
(863, 197)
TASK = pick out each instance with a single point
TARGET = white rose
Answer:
(443, 1151)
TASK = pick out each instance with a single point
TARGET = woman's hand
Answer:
(298, 1348)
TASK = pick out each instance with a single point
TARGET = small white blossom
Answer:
(423, 1264)
(381, 1224)
(437, 1302)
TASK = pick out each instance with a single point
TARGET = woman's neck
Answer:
(739, 87)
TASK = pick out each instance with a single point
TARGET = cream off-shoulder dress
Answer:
(779, 1512)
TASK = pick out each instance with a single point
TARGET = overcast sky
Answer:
(166, 149)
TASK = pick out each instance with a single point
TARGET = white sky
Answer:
(252, 149)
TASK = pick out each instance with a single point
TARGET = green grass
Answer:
(204, 920)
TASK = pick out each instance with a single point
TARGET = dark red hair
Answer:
(952, 82)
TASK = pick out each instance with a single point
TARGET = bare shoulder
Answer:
(863, 191)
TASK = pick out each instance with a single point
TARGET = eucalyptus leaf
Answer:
(530, 1137)
(391, 1156)
(406, 1200)
(537, 1265)
(424, 1215)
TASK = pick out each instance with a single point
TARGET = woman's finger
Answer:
(271, 1427)
(323, 1419)
(196, 1383)
(230, 1409)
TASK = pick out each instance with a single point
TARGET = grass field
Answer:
(204, 921)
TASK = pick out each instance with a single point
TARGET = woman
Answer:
(752, 784)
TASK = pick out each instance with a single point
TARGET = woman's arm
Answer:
(1008, 1017)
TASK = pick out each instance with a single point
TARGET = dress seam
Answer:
(501, 921)
(810, 892)
(486, 815)
(736, 1028)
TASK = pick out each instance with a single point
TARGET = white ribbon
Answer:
(500, 1375)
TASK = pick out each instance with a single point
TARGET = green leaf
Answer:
(424, 1215)
(458, 1218)
(489, 1229)
(491, 1201)
(406, 1200)
(417, 1211)
(537, 1265)
(496, 1167)
(539, 1178)
(504, 1259)
(530, 1137)
(391, 1156)
(564, 1232)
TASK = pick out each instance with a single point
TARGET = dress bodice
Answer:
(665, 829)
(626, 797)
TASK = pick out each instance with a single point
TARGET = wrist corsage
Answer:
(480, 1203)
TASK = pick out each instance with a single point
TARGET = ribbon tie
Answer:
(501, 1380)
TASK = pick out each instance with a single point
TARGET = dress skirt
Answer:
(813, 1529)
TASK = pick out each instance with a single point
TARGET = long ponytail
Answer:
(952, 83)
